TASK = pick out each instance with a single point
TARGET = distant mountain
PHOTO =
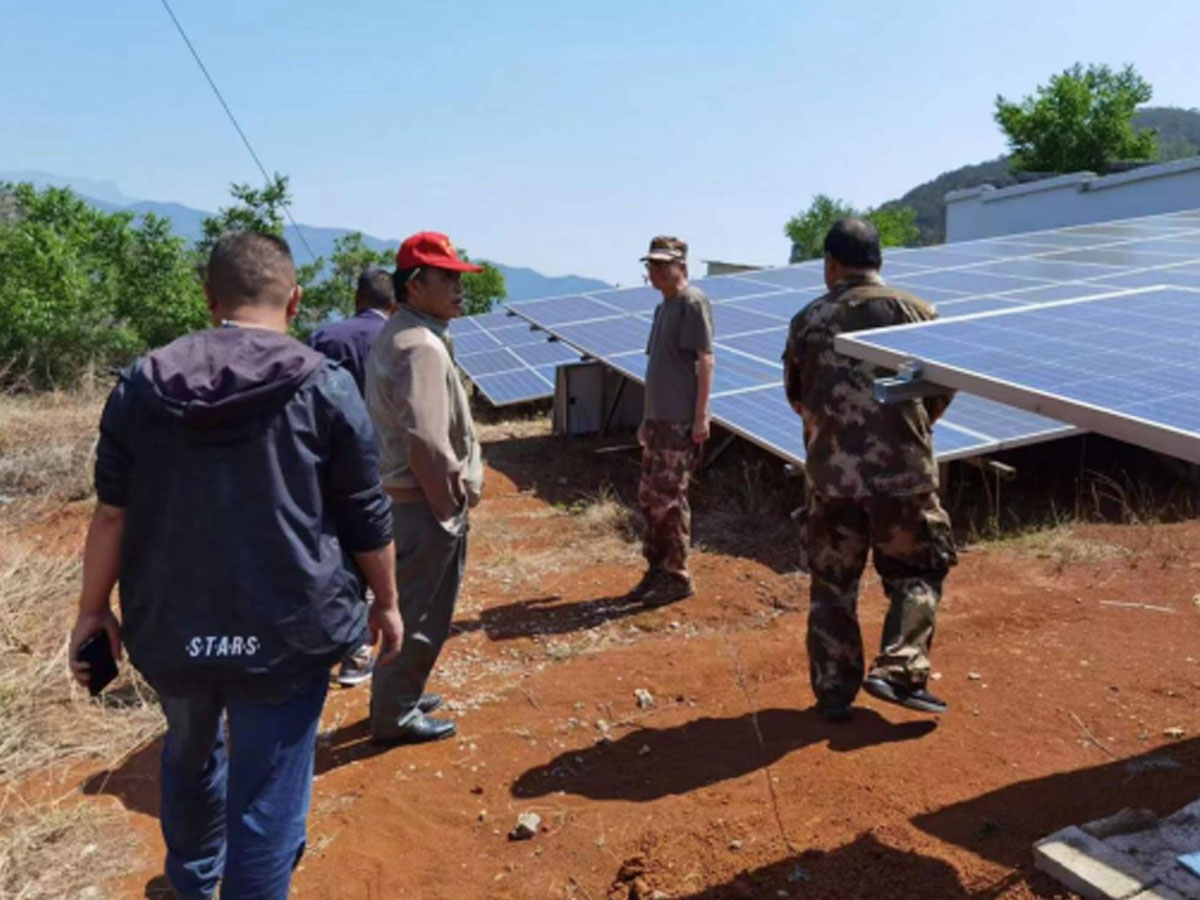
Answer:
(523, 283)
(1178, 132)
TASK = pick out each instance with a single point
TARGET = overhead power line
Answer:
(233, 119)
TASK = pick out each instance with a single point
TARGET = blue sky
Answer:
(555, 135)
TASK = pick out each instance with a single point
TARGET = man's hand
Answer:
(700, 430)
(86, 625)
(643, 436)
(386, 625)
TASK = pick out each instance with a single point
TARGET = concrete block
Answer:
(1124, 822)
(1158, 892)
(1088, 866)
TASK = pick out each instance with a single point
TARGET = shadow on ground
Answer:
(740, 504)
(649, 763)
(1003, 824)
(548, 616)
(865, 867)
(134, 782)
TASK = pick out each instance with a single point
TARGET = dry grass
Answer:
(60, 851)
(48, 725)
(46, 443)
(602, 514)
(1062, 546)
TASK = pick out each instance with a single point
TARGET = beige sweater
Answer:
(428, 449)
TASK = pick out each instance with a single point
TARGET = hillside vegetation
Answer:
(1177, 130)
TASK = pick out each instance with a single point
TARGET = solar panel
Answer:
(506, 358)
(966, 279)
(1122, 364)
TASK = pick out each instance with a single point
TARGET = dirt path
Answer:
(728, 786)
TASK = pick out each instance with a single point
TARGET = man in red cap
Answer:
(431, 468)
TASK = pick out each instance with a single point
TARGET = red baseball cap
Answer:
(429, 248)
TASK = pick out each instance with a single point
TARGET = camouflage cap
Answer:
(666, 249)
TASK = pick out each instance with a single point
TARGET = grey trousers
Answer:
(429, 568)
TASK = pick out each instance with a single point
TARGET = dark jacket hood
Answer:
(224, 375)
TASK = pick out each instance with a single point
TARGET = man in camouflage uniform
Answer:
(872, 484)
(675, 422)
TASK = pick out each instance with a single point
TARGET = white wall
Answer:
(1075, 199)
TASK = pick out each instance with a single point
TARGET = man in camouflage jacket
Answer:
(872, 484)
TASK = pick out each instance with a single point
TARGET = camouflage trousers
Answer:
(667, 462)
(912, 548)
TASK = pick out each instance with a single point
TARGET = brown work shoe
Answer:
(668, 587)
(645, 586)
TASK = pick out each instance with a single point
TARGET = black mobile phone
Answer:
(96, 651)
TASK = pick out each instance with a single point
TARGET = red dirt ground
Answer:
(729, 786)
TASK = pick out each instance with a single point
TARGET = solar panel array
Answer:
(751, 311)
(1123, 364)
(506, 358)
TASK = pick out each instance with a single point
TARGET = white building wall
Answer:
(1075, 199)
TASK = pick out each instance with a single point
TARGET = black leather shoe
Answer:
(429, 702)
(418, 729)
(910, 697)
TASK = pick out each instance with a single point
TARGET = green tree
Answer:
(1081, 121)
(481, 290)
(262, 210)
(334, 293)
(256, 209)
(83, 289)
(897, 225)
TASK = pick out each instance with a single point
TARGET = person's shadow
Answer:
(649, 763)
(547, 616)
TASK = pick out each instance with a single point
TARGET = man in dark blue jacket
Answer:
(349, 341)
(236, 468)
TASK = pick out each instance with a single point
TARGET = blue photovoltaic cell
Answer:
(631, 300)
(723, 287)
(764, 417)
(506, 358)
(973, 305)
(943, 257)
(560, 310)
(779, 306)
(730, 319)
(1127, 357)
(1151, 278)
(999, 421)
(1044, 270)
(546, 353)
(738, 373)
(964, 280)
(766, 345)
(803, 277)
(486, 321)
(607, 337)
(1049, 293)
(488, 361)
(474, 342)
(632, 364)
(514, 387)
(1122, 255)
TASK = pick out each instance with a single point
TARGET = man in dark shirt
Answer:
(872, 482)
(349, 341)
(675, 422)
(236, 469)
